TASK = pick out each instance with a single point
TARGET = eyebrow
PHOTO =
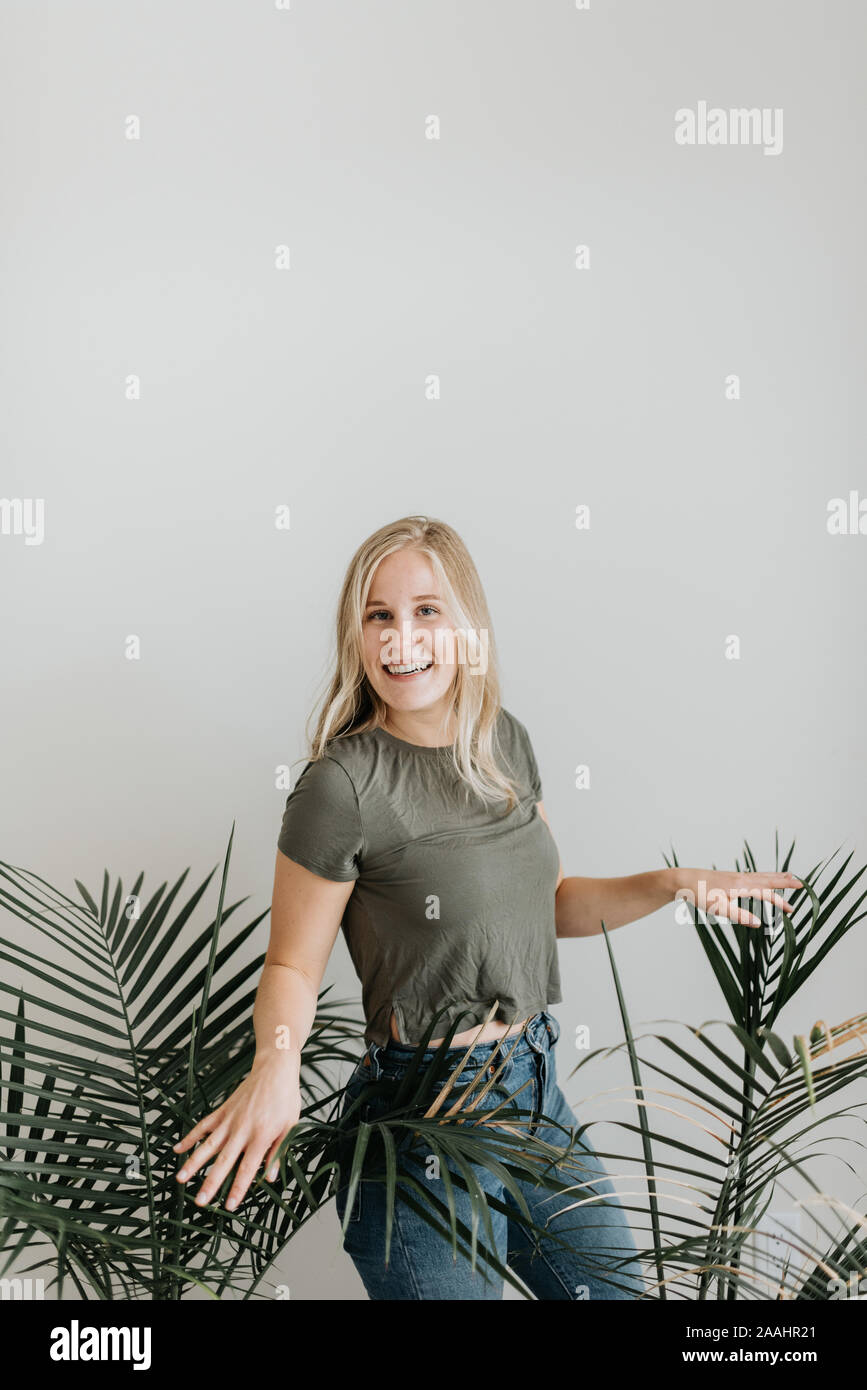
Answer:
(378, 603)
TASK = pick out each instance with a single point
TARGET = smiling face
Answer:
(405, 609)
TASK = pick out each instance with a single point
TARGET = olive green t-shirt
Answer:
(453, 900)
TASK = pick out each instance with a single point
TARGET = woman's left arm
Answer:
(582, 904)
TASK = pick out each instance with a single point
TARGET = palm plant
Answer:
(141, 1023)
(739, 1110)
(144, 1022)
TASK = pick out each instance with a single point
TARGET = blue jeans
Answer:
(598, 1259)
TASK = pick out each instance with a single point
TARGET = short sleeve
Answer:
(532, 767)
(521, 758)
(321, 827)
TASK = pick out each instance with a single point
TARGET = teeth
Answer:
(405, 670)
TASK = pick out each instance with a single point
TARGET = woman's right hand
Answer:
(253, 1121)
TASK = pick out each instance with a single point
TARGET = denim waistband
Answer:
(540, 1034)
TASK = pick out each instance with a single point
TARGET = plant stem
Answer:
(643, 1123)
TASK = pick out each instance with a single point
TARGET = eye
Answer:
(378, 613)
(428, 609)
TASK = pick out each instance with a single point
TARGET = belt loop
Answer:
(535, 1025)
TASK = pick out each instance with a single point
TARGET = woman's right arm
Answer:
(306, 912)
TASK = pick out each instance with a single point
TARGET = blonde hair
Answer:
(351, 706)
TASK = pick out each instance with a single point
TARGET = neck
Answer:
(431, 728)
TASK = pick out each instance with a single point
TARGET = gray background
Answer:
(305, 387)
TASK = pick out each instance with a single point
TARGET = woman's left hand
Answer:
(718, 893)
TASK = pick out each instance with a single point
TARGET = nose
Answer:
(416, 644)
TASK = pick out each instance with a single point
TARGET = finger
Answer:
(244, 1176)
(780, 902)
(203, 1154)
(717, 901)
(741, 915)
(771, 880)
(728, 906)
(753, 890)
(204, 1127)
(767, 895)
(764, 895)
(223, 1164)
(272, 1168)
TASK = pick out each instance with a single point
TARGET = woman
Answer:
(418, 824)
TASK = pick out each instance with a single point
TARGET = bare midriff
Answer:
(491, 1031)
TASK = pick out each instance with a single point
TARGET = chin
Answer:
(410, 700)
(409, 697)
